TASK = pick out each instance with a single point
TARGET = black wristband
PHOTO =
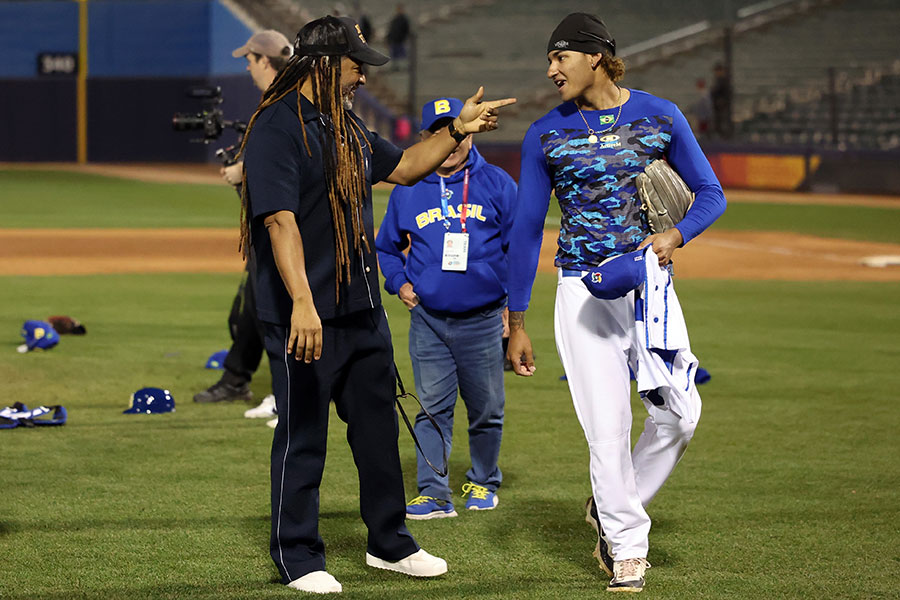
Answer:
(457, 135)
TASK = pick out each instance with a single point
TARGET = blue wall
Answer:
(163, 38)
(29, 28)
(142, 56)
(226, 34)
(126, 38)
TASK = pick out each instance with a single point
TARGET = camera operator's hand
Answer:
(233, 174)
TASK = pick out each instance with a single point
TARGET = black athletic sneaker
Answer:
(225, 392)
(601, 552)
(628, 575)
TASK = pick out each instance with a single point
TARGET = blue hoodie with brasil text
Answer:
(414, 219)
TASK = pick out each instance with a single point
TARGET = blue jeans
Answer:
(465, 354)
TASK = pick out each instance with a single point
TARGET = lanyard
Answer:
(445, 211)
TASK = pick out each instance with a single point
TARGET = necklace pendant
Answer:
(592, 138)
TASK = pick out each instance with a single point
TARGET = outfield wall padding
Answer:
(38, 122)
(131, 119)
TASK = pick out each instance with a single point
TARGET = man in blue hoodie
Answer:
(453, 280)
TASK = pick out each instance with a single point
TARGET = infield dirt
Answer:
(714, 255)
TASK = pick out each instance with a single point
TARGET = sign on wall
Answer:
(57, 64)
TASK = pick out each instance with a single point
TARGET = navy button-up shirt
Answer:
(281, 175)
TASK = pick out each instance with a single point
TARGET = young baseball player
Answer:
(589, 150)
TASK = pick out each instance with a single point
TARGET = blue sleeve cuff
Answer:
(393, 283)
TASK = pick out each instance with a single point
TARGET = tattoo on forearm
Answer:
(516, 320)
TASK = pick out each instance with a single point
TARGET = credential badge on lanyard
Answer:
(456, 245)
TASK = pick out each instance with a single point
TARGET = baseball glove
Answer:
(664, 196)
(65, 324)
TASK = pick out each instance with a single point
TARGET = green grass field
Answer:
(847, 222)
(789, 490)
(57, 199)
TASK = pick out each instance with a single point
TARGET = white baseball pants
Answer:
(596, 343)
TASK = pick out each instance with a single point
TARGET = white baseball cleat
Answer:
(417, 564)
(265, 410)
(628, 575)
(317, 582)
(273, 423)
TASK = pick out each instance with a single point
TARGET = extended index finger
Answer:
(499, 103)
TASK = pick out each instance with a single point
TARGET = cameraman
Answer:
(266, 53)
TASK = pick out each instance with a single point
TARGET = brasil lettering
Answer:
(473, 211)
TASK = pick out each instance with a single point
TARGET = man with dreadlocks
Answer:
(309, 168)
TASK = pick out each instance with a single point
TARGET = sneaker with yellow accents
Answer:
(480, 498)
(628, 575)
(422, 508)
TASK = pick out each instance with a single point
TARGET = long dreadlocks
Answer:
(341, 137)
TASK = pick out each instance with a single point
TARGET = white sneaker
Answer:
(273, 423)
(265, 410)
(317, 582)
(417, 564)
(628, 575)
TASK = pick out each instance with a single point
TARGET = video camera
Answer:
(211, 120)
(228, 155)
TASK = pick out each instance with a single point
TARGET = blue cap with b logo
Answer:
(39, 335)
(217, 360)
(440, 108)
